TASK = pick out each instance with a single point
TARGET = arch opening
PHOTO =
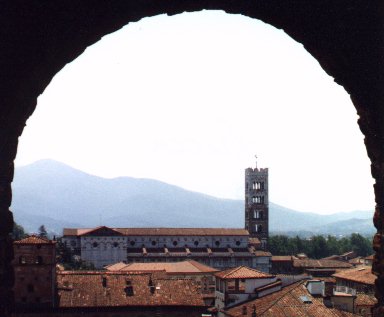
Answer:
(336, 49)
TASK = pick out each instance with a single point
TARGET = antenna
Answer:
(256, 160)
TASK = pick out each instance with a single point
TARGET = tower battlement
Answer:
(256, 169)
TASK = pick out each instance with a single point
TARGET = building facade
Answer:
(220, 248)
(256, 204)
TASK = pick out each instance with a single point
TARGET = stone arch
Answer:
(40, 38)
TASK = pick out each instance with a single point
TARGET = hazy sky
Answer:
(190, 99)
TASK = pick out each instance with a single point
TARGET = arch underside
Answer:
(38, 38)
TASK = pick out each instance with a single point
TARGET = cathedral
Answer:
(220, 248)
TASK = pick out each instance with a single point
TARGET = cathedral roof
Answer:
(157, 231)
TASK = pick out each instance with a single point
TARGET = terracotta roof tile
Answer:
(242, 272)
(262, 253)
(33, 239)
(311, 263)
(369, 257)
(281, 258)
(287, 302)
(102, 289)
(189, 267)
(361, 275)
(365, 300)
(164, 231)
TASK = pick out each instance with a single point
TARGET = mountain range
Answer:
(56, 195)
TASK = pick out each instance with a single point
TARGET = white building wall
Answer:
(251, 284)
(188, 241)
(101, 251)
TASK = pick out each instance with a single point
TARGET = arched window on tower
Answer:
(258, 228)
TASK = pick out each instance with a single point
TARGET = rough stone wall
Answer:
(35, 278)
(39, 37)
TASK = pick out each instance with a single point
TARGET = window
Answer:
(132, 243)
(237, 243)
(153, 242)
(258, 228)
(128, 290)
(39, 260)
(217, 243)
(22, 260)
(95, 244)
(30, 288)
(196, 243)
(174, 243)
(115, 244)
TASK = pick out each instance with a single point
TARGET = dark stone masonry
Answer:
(39, 37)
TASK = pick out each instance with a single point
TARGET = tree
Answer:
(18, 232)
(319, 247)
(43, 232)
(362, 246)
(333, 245)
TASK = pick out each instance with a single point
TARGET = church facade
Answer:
(220, 248)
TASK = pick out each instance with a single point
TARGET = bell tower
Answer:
(256, 203)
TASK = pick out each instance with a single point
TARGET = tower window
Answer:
(30, 288)
(258, 228)
(39, 260)
(22, 260)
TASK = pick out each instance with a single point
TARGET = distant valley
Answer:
(56, 195)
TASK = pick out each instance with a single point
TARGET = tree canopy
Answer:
(319, 246)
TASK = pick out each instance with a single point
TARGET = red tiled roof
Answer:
(287, 302)
(365, 300)
(188, 267)
(33, 239)
(281, 258)
(242, 272)
(369, 257)
(86, 289)
(311, 263)
(253, 240)
(361, 275)
(262, 253)
(164, 231)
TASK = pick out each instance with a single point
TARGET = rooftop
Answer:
(156, 231)
(311, 263)
(188, 267)
(242, 272)
(292, 300)
(281, 258)
(362, 274)
(112, 289)
(33, 239)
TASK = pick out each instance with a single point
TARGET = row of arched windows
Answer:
(258, 199)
